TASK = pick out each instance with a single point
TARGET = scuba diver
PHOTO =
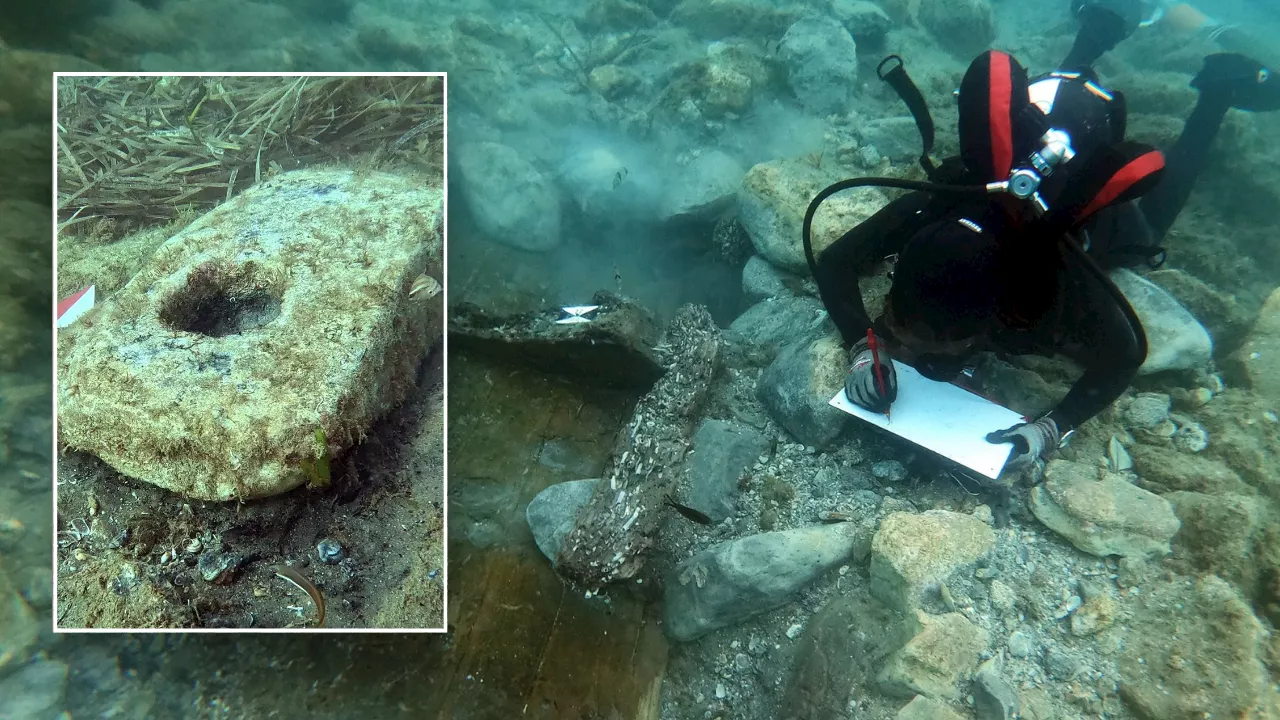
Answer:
(1006, 247)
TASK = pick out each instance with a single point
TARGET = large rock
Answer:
(592, 178)
(822, 64)
(279, 314)
(1175, 339)
(511, 200)
(734, 580)
(1220, 313)
(964, 27)
(1106, 516)
(26, 86)
(1218, 534)
(942, 654)
(722, 451)
(35, 692)
(772, 202)
(771, 324)
(614, 349)
(714, 19)
(18, 626)
(551, 513)
(843, 646)
(863, 19)
(707, 187)
(761, 281)
(798, 385)
(913, 553)
(1258, 360)
(1162, 472)
(1194, 651)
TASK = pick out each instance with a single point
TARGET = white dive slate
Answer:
(944, 418)
(282, 312)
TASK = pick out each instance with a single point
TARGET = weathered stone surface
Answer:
(1175, 339)
(843, 646)
(1162, 472)
(614, 349)
(1220, 313)
(25, 81)
(280, 313)
(822, 63)
(995, 698)
(772, 202)
(769, 325)
(911, 553)
(714, 19)
(924, 708)
(722, 451)
(18, 625)
(707, 187)
(1105, 516)
(941, 655)
(512, 201)
(734, 580)
(611, 536)
(797, 387)
(760, 281)
(963, 27)
(588, 178)
(1258, 360)
(1217, 534)
(863, 19)
(551, 513)
(35, 691)
(1194, 651)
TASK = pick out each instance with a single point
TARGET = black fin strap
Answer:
(900, 81)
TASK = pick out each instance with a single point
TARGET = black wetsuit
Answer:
(1066, 309)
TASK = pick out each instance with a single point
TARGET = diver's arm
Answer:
(856, 252)
(1100, 338)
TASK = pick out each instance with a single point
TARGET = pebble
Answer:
(330, 551)
(1020, 644)
(216, 567)
(1191, 438)
(194, 546)
(1061, 664)
(721, 692)
(741, 662)
(794, 630)
(889, 471)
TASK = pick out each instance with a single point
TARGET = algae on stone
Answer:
(282, 311)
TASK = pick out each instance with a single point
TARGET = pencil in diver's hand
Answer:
(875, 358)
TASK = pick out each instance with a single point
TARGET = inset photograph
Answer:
(250, 394)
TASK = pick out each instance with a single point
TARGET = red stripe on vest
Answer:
(1134, 171)
(1001, 92)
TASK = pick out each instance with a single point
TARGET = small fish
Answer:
(687, 511)
(833, 516)
(618, 176)
(425, 284)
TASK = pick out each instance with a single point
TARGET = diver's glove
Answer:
(1031, 442)
(861, 386)
(1242, 81)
